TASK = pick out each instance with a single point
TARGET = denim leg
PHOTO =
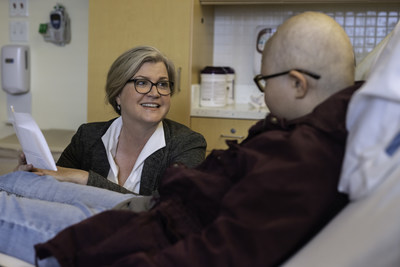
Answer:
(25, 222)
(35, 208)
(30, 185)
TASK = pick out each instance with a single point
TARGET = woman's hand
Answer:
(22, 164)
(65, 174)
(62, 174)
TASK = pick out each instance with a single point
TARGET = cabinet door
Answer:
(216, 131)
(116, 26)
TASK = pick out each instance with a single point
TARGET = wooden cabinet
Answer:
(216, 130)
(181, 29)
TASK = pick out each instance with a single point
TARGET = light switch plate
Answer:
(18, 31)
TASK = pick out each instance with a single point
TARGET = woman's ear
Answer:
(299, 83)
(118, 99)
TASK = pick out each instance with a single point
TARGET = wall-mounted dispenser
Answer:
(15, 71)
(15, 77)
(58, 30)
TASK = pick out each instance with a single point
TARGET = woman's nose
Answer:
(154, 91)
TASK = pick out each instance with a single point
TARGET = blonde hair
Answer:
(127, 65)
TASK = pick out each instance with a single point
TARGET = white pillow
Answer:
(373, 121)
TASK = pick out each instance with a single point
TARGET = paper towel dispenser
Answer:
(15, 70)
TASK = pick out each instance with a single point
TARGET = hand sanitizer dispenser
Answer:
(15, 78)
(15, 71)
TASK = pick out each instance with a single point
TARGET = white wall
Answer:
(58, 74)
(235, 33)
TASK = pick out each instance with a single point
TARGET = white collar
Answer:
(110, 141)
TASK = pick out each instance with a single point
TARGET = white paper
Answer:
(32, 141)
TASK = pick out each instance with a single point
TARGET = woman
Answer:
(130, 153)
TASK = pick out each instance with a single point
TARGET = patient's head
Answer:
(128, 64)
(318, 57)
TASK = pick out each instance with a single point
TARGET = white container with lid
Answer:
(213, 89)
(230, 83)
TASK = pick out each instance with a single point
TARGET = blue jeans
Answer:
(33, 209)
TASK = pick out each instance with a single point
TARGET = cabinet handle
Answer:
(232, 136)
(178, 79)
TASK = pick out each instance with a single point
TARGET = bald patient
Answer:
(313, 42)
(254, 204)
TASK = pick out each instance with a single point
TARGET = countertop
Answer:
(6, 129)
(232, 111)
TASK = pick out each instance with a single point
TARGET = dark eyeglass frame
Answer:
(257, 79)
(134, 80)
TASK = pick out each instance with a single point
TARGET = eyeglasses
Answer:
(261, 80)
(144, 86)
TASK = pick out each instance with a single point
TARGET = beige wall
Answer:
(120, 25)
(58, 74)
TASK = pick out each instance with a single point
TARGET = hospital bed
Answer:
(366, 233)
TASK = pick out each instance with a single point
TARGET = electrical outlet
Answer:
(13, 5)
(18, 8)
(23, 7)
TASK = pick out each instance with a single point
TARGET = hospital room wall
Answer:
(58, 73)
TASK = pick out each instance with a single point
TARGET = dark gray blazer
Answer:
(86, 152)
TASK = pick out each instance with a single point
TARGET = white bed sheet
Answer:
(8, 261)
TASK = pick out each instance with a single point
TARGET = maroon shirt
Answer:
(253, 204)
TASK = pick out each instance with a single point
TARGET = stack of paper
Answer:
(32, 141)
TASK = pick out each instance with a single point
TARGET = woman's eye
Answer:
(142, 83)
(162, 84)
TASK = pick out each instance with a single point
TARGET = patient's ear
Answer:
(299, 83)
